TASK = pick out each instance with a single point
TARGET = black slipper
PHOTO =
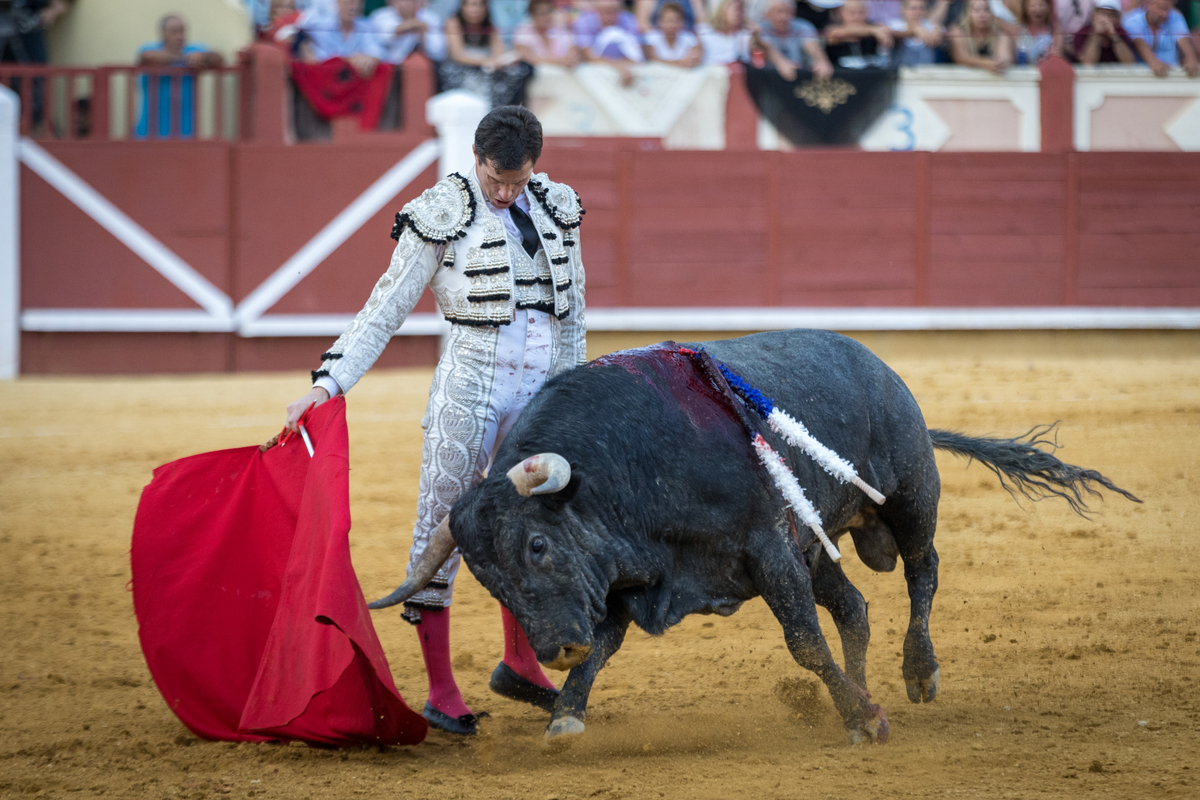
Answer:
(507, 683)
(466, 725)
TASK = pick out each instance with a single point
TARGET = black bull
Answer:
(666, 511)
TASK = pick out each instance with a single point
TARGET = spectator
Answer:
(977, 40)
(648, 11)
(854, 42)
(1005, 12)
(173, 50)
(1037, 35)
(477, 60)
(434, 41)
(885, 11)
(282, 26)
(317, 8)
(1103, 40)
(917, 36)
(23, 25)
(604, 14)
(1160, 38)
(726, 39)
(790, 43)
(507, 16)
(542, 40)
(347, 35)
(1072, 15)
(613, 41)
(818, 13)
(401, 29)
(670, 43)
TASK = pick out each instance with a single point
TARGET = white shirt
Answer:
(619, 40)
(724, 48)
(684, 42)
(394, 48)
(510, 224)
(397, 48)
(1002, 12)
(435, 35)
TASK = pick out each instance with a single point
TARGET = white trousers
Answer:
(485, 378)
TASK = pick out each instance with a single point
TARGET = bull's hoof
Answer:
(874, 730)
(923, 690)
(562, 731)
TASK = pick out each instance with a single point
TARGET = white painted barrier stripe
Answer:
(341, 228)
(763, 319)
(128, 232)
(10, 233)
(333, 325)
(651, 319)
(890, 319)
(104, 320)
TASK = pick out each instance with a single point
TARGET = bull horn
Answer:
(544, 473)
(440, 546)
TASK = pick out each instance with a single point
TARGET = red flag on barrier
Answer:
(334, 89)
(249, 613)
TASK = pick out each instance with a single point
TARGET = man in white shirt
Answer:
(346, 35)
(403, 26)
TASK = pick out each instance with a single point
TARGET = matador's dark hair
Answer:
(508, 137)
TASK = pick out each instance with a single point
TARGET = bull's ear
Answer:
(556, 500)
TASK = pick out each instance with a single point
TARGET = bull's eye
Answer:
(537, 544)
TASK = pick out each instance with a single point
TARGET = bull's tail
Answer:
(1022, 467)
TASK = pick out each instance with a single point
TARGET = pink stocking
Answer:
(434, 633)
(518, 654)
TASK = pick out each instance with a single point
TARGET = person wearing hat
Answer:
(1103, 40)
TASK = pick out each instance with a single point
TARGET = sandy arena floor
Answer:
(1069, 650)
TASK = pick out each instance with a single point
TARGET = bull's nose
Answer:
(570, 655)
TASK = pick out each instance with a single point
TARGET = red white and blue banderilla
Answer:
(794, 432)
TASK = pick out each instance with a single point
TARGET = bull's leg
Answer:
(788, 591)
(920, 668)
(834, 592)
(913, 524)
(570, 709)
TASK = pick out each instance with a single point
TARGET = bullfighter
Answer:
(500, 249)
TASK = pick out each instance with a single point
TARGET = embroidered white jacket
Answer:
(451, 241)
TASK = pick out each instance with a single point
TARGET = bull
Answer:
(628, 492)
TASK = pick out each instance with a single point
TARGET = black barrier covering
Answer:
(809, 111)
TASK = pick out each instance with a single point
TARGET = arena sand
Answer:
(1068, 647)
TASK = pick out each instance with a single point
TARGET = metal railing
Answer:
(121, 103)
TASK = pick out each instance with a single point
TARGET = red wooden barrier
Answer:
(74, 103)
(664, 228)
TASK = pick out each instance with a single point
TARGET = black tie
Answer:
(529, 234)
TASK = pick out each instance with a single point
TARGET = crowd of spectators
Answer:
(494, 48)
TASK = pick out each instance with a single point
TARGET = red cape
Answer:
(250, 615)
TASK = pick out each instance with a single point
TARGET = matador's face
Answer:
(501, 187)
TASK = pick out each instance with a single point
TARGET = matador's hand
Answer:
(295, 411)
